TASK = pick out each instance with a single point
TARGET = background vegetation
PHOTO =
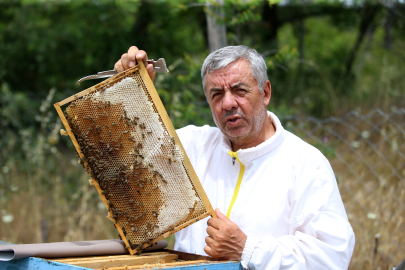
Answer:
(324, 59)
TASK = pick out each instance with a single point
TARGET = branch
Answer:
(367, 20)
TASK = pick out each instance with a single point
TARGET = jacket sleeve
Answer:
(320, 235)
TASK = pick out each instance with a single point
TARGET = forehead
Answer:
(236, 72)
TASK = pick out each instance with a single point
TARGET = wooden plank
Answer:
(67, 260)
(122, 262)
(114, 256)
(155, 253)
(169, 126)
(106, 258)
(191, 257)
(205, 266)
(148, 266)
(194, 265)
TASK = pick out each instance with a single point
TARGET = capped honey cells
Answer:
(134, 160)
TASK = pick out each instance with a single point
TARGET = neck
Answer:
(267, 131)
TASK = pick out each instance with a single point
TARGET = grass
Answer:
(366, 152)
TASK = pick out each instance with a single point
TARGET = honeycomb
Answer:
(133, 160)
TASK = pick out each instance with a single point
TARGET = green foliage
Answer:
(52, 44)
(241, 12)
(187, 104)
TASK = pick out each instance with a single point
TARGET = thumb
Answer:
(220, 215)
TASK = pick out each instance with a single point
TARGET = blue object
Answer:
(33, 263)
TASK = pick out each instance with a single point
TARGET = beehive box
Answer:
(164, 259)
(127, 143)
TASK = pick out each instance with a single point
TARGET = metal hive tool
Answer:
(127, 143)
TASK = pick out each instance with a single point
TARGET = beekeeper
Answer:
(276, 197)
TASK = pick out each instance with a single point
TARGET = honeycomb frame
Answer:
(127, 143)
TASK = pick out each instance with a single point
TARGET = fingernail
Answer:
(131, 64)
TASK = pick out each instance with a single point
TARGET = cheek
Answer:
(218, 112)
(251, 105)
(216, 109)
(246, 106)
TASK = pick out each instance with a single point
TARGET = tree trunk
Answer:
(271, 24)
(216, 30)
(301, 34)
(369, 13)
(387, 28)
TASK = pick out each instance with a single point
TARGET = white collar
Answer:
(250, 154)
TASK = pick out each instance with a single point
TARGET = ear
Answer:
(266, 93)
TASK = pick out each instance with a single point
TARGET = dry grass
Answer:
(54, 212)
(367, 155)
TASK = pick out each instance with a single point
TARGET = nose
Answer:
(229, 102)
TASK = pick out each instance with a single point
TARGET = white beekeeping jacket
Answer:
(282, 194)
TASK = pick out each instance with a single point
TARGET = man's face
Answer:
(237, 106)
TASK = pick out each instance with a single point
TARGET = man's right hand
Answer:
(128, 60)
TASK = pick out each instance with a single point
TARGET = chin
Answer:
(232, 134)
(235, 134)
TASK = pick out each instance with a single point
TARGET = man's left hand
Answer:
(225, 240)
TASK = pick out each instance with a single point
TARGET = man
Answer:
(277, 200)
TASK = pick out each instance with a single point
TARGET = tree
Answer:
(216, 29)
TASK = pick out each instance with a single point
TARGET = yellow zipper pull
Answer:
(234, 156)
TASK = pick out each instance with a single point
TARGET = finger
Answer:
(151, 71)
(208, 250)
(142, 56)
(214, 222)
(215, 234)
(209, 241)
(132, 51)
(221, 216)
(118, 66)
(135, 54)
(212, 232)
(125, 61)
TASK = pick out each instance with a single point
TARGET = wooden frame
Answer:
(169, 126)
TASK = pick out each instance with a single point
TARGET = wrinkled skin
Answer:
(239, 111)
(225, 240)
(237, 105)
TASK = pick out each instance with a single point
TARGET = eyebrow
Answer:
(238, 85)
(232, 87)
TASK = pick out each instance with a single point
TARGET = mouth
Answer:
(233, 120)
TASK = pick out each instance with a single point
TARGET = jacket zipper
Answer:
(234, 156)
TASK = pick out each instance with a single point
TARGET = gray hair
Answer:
(227, 55)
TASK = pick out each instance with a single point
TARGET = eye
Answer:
(241, 90)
